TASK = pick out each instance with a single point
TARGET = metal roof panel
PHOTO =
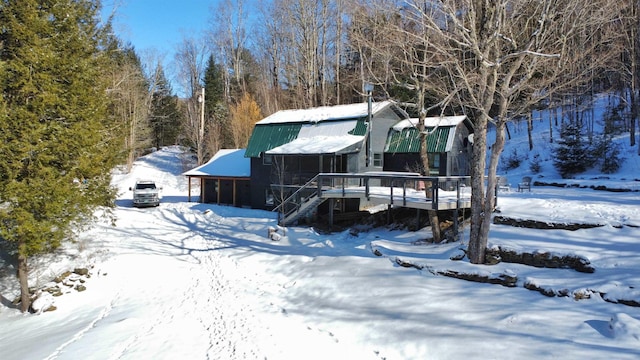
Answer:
(407, 140)
(266, 137)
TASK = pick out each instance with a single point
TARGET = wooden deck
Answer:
(380, 188)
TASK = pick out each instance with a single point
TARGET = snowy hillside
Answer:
(195, 281)
(518, 146)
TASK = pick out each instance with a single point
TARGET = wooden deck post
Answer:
(331, 213)
(218, 200)
(189, 193)
(234, 192)
(202, 190)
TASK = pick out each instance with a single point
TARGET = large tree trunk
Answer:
(23, 274)
(633, 83)
(477, 239)
(490, 198)
(424, 158)
(435, 225)
(530, 130)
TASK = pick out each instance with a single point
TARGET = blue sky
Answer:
(159, 24)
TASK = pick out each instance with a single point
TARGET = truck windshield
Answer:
(145, 186)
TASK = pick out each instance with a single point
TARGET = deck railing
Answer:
(391, 182)
(394, 181)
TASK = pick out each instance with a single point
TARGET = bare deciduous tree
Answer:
(190, 61)
(130, 97)
(230, 38)
(628, 66)
(132, 85)
(493, 59)
(300, 45)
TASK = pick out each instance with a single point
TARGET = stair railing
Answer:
(291, 199)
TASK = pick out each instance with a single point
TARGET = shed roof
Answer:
(404, 137)
(230, 163)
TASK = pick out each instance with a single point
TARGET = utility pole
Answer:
(201, 130)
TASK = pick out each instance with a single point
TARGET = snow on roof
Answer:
(322, 138)
(319, 145)
(430, 122)
(324, 113)
(225, 163)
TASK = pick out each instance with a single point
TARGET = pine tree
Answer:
(214, 83)
(571, 152)
(216, 111)
(56, 149)
(165, 117)
(606, 150)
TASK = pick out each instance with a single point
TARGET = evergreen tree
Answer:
(606, 150)
(219, 133)
(56, 149)
(164, 117)
(213, 83)
(571, 153)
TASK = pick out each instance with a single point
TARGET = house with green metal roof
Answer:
(290, 147)
(448, 146)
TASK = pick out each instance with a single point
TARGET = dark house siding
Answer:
(224, 195)
(411, 162)
(209, 191)
(260, 181)
(298, 170)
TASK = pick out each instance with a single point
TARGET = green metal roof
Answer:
(408, 140)
(267, 137)
(361, 127)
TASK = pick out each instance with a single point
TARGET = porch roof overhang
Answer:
(320, 145)
(225, 164)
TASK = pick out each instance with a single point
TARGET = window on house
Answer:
(267, 159)
(377, 159)
(434, 164)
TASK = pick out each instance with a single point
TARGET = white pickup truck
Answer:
(145, 193)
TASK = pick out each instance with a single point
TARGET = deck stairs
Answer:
(304, 209)
(297, 205)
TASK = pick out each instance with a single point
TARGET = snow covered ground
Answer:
(195, 281)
